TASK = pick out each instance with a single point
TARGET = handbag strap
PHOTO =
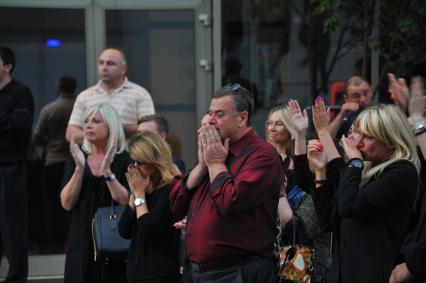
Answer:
(112, 214)
(293, 243)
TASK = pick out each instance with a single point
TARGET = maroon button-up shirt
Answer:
(235, 215)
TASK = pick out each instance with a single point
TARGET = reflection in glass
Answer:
(47, 43)
(159, 46)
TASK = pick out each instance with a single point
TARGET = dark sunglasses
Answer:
(139, 162)
(234, 87)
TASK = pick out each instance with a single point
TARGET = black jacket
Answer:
(154, 248)
(368, 222)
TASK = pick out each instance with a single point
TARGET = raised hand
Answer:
(316, 155)
(200, 152)
(320, 116)
(138, 184)
(298, 117)
(350, 145)
(399, 91)
(213, 150)
(417, 101)
(106, 163)
(77, 154)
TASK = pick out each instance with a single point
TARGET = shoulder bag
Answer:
(107, 242)
(295, 261)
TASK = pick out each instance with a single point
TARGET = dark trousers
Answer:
(13, 221)
(260, 270)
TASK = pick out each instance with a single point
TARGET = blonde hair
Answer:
(283, 118)
(386, 123)
(111, 117)
(150, 148)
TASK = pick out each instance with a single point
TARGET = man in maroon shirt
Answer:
(231, 196)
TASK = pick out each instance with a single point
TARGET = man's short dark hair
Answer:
(66, 84)
(243, 100)
(354, 81)
(8, 57)
(160, 121)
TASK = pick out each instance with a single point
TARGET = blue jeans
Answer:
(260, 270)
(13, 221)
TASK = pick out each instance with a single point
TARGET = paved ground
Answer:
(46, 281)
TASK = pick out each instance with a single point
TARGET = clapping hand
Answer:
(200, 147)
(320, 116)
(106, 163)
(298, 117)
(78, 155)
(399, 91)
(417, 101)
(316, 155)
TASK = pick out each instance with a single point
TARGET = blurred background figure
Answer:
(358, 96)
(232, 74)
(49, 134)
(16, 117)
(159, 125)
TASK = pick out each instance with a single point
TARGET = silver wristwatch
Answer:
(420, 128)
(139, 201)
(109, 177)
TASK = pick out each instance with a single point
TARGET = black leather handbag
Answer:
(108, 244)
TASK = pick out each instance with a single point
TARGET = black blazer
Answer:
(368, 222)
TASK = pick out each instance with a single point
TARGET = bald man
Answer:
(358, 96)
(131, 100)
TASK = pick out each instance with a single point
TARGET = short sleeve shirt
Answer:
(131, 101)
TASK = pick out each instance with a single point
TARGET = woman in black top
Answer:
(148, 220)
(369, 208)
(286, 131)
(93, 178)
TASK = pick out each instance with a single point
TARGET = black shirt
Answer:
(154, 249)
(16, 117)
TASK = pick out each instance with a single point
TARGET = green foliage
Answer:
(401, 26)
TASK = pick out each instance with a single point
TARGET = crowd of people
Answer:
(352, 189)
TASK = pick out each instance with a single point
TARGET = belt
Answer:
(203, 267)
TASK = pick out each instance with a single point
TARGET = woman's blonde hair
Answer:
(386, 123)
(284, 118)
(111, 117)
(150, 148)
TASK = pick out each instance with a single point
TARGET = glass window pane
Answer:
(159, 46)
(280, 48)
(47, 42)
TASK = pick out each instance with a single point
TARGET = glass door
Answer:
(169, 52)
